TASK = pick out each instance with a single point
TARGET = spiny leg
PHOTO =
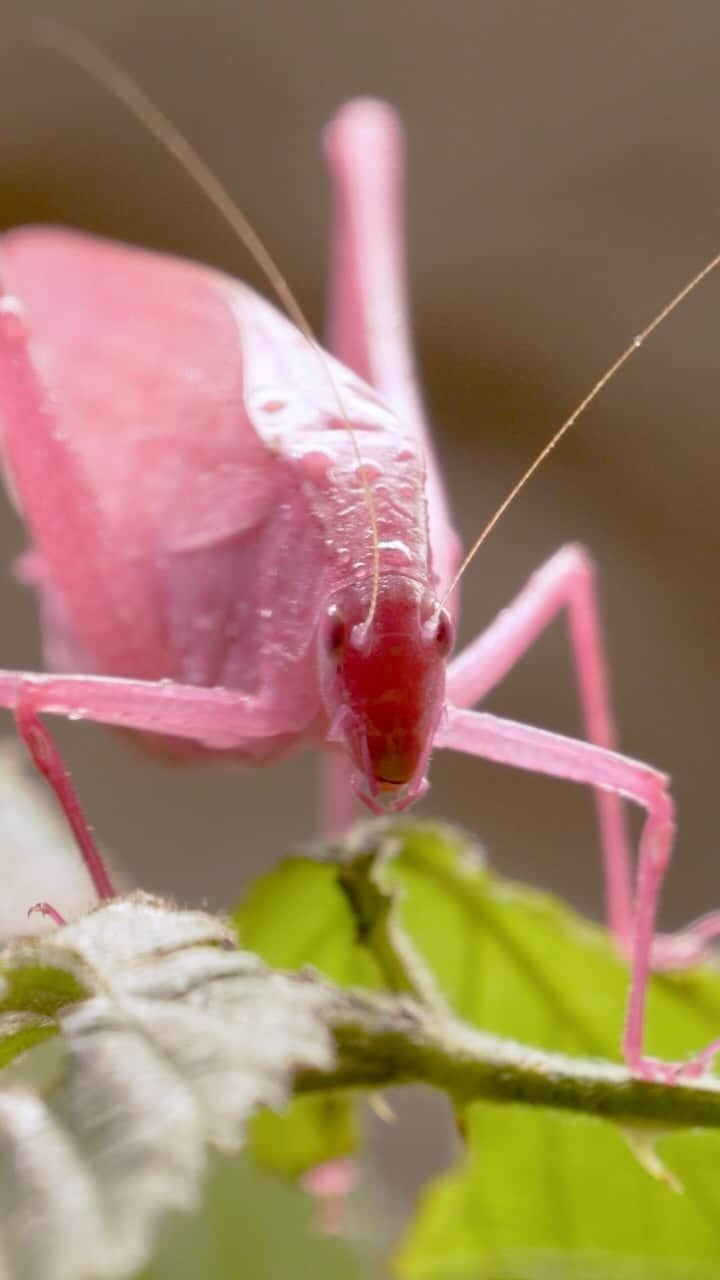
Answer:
(524, 747)
(47, 909)
(566, 581)
(220, 719)
(47, 759)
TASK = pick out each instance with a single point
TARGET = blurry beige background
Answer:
(564, 180)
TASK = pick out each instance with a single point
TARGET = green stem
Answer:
(382, 1042)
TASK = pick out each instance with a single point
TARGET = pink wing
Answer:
(129, 445)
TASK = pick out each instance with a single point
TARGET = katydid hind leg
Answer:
(566, 582)
(58, 504)
(524, 747)
(369, 326)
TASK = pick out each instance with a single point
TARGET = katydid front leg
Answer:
(521, 746)
(370, 330)
(566, 582)
(219, 719)
(49, 763)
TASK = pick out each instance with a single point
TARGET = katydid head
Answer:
(383, 683)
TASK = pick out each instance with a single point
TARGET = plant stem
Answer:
(382, 1042)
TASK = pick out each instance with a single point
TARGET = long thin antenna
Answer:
(87, 55)
(608, 375)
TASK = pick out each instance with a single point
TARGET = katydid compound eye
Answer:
(444, 636)
(335, 632)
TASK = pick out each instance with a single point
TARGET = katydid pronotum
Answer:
(241, 544)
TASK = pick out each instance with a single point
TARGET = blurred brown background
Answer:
(564, 180)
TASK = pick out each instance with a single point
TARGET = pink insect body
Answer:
(202, 553)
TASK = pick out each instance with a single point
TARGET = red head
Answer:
(383, 683)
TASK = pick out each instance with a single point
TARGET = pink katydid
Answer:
(233, 590)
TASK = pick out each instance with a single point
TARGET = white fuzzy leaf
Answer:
(180, 1040)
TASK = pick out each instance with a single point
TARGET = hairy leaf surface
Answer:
(180, 1039)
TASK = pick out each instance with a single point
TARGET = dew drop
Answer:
(395, 552)
(316, 466)
(268, 400)
(78, 713)
(638, 341)
(368, 471)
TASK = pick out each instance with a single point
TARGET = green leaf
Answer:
(522, 964)
(22, 1031)
(542, 1194)
(252, 1227)
(311, 1131)
(414, 907)
(300, 914)
(41, 988)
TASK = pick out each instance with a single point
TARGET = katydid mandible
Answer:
(241, 544)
